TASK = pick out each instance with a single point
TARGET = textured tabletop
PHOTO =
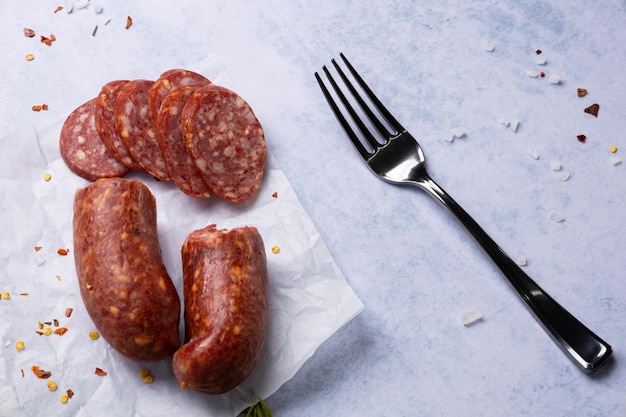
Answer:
(504, 76)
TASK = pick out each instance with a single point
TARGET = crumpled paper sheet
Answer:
(309, 297)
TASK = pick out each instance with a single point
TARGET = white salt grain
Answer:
(614, 160)
(533, 153)
(97, 9)
(514, 124)
(81, 4)
(458, 133)
(449, 137)
(489, 47)
(504, 121)
(556, 216)
(556, 166)
(555, 79)
(40, 260)
(541, 61)
(532, 74)
(521, 261)
(471, 317)
(564, 176)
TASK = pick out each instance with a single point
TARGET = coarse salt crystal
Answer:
(541, 61)
(489, 47)
(97, 8)
(521, 261)
(504, 121)
(556, 216)
(471, 317)
(556, 166)
(532, 74)
(564, 176)
(555, 79)
(81, 4)
(533, 153)
(40, 260)
(458, 133)
(449, 137)
(513, 125)
(614, 160)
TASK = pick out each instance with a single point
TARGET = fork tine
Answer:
(379, 106)
(365, 154)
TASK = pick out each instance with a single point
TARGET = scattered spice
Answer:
(107, 22)
(68, 312)
(593, 109)
(46, 40)
(275, 195)
(95, 29)
(538, 51)
(5, 296)
(612, 149)
(47, 177)
(129, 22)
(94, 335)
(581, 138)
(61, 331)
(64, 398)
(40, 324)
(40, 373)
(58, 277)
(37, 248)
(582, 92)
(100, 372)
(47, 331)
(275, 249)
(63, 252)
(58, 9)
(36, 108)
(146, 376)
(24, 294)
(52, 386)
(55, 322)
(19, 346)
(70, 393)
(29, 33)
(29, 57)
(542, 74)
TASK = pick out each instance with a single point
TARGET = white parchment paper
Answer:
(309, 297)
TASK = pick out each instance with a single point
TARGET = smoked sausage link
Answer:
(123, 281)
(225, 290)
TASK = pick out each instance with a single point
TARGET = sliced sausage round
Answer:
(225, 141)
(82, 149)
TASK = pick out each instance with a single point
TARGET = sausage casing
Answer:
(123, 281)
(225, 292)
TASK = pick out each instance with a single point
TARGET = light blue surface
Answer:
(415, 269)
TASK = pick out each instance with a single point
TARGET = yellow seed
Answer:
(5, 296)
(94, 335)
(47, 177)
(52, 386)
(148, 379)
(47, 331)
(30, 57)
(275, 249)
(64, 398)
(19, 346)
(613, 149)
(144, 373)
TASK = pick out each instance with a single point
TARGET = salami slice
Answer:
(169, 81)
(182, 170)
(82, 149)
(225, 141)
(135, 128)
(105, 123)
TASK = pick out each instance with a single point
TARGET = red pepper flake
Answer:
(100, 372)
(29, 33)
(68, 312)
(61, 331)
(24, 294)
(538, 51)
(36, 108)
(70, 393)
(58, 9)
(22, 372)
(44, 107)
(593, 109)
(581, 138)
(63, 252)
(129, 22)
(37, 248)
(275, 195)
(542, 74)
(40, 373)
(46, 40)
(55, 322)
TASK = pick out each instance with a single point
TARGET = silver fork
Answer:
(397, 158)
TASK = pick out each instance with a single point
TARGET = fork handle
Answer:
(578, 342)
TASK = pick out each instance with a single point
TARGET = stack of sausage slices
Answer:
(182, 127)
